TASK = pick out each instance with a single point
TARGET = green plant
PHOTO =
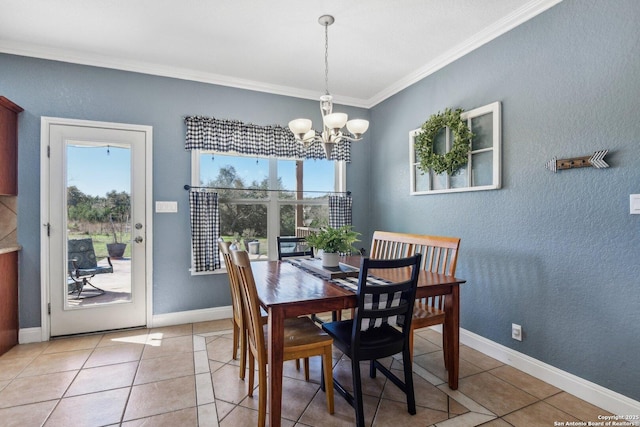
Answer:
(334, 240)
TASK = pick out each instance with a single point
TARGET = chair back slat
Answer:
(385, 302)
(439, 254)
(384, 248)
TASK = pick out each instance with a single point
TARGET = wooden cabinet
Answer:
(8, 300)
(8, 147)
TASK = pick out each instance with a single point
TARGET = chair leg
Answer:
(243, 353)
(411, 332)
(358, 403)
(86, 282)
(372, 369)
(445, 346)
(306, 369)
(327, 368)
(251, 374)
(236, 340)
(408, 381)
(262, 395)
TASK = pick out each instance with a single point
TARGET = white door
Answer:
(97, 190)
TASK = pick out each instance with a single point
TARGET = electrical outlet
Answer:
(516, 332)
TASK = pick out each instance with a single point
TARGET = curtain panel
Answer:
(339, 211)
(205, 229)
(221, 135)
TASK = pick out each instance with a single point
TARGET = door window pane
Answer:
(98, 262)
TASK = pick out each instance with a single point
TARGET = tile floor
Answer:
(184, 376)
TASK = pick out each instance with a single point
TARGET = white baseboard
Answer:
(192, 316)
(595, 394)
(31, 335)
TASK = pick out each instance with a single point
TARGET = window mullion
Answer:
(273, 209)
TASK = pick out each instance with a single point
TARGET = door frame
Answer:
(45, 167)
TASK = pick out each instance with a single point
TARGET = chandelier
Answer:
(333, 123)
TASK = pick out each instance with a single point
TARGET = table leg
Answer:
(275, 350)
(452, 329)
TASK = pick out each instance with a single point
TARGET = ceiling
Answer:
(376, 47)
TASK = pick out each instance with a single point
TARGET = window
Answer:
(258, 199)
(482, 172)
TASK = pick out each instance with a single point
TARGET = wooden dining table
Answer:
(286, 290)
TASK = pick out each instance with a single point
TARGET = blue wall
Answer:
(557, 253)
(56, 89)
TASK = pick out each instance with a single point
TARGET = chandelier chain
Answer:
(326, 58)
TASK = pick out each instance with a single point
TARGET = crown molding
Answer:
(528, 11)
(525, 13)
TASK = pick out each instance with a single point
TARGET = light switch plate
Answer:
(166, 207)
(634, 203)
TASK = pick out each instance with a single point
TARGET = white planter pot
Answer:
(330, 259)
(254, 247)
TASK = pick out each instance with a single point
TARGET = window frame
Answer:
(496, 149)
(273, 202)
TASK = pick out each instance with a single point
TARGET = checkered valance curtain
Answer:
(208, 133)
(205, 229)
(339, 211)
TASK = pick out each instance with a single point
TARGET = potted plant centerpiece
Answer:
(332, 242)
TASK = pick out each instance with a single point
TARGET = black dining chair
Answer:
(297, 247)
(381, 326)
(291, 246)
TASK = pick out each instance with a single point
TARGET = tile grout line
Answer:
(202, 372)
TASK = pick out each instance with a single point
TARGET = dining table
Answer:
(286, 290)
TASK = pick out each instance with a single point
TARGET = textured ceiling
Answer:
(376, 47)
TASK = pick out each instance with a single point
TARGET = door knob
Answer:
(138, 226)
(138, 239)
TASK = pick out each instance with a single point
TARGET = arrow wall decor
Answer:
(596, 161)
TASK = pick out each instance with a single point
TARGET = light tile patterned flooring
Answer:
(184, 376)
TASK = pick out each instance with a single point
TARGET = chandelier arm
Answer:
(351, 138)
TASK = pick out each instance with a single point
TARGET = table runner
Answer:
(351, 284)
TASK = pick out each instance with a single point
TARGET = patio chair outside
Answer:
(83, 266)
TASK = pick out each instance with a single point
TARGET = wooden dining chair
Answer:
(239, 327)
(302, 338)
(439, 255)
(239, 321)
(385, 301)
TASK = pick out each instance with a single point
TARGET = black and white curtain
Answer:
(205, 229)
(339, 211)
(208, 133)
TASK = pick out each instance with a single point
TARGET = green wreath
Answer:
(457, 157)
